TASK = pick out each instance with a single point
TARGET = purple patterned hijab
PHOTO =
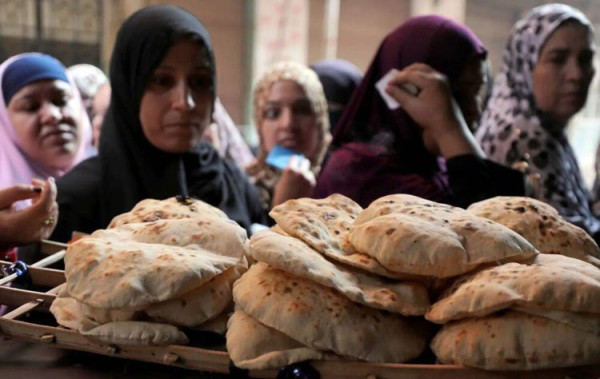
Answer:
(378, 151)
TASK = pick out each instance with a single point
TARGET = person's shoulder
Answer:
(84, 177)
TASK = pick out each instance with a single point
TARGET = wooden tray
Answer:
(202, 359)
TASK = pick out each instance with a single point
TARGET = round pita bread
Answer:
(296, 257)
(254, 346)
(149, 210)
(551, 282)
(323, 319)
(515, 341)
(541, 225)
(106, 274)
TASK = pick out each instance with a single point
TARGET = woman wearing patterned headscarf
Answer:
(379, 151)
(290, 111)
(163, 84)
(548, 67)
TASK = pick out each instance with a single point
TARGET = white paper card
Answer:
(381, 84)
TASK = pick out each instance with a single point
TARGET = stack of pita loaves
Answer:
(522, 316)
(541, 225)
(334, 281)
(525, 316)
(164, 265)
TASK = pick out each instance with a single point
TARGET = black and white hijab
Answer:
(512, 128)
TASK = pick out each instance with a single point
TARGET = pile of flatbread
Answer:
(524, 316)
(541, 225)
(334, 280)
(162, 266)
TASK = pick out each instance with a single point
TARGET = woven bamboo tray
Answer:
(203, 359)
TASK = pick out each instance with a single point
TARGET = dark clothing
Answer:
(474, 179)
(367, 172)
(339, 79)
(364, 175)
(128, 167)
(84, 207)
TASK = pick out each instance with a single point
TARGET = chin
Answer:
(61, 163)
(179, 148)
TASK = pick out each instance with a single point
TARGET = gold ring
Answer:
(49, 221)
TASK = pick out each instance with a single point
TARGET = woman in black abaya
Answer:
(163, 90)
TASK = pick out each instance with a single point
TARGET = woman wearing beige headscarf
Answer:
(290, 111)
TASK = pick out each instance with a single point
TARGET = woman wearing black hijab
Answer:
(163, 90)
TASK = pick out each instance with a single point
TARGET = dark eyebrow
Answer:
(171, 68)
(559, 50)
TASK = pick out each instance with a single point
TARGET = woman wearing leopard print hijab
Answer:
(548, 67)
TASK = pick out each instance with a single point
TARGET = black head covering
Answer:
(133, 169)
(339, 79)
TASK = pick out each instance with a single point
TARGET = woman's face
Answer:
(46, 117)
(177, 103)
(564, 71)
(468, 89)
(289, 120)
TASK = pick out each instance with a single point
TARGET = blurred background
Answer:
(249, 35)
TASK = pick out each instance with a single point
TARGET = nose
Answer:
(50, 113)
(286, 119)
(183, 97)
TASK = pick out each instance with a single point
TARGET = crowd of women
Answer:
(161, 131)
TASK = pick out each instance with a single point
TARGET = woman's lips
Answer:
(182, 125)
(287, 142)
(59, 137)
(574, 97)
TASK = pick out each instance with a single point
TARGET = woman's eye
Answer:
(302, 108)
(201, 84)
(558, 59)
(271, 113)
(31, 106)
(586, 59)
(61, 101)
(161, 80)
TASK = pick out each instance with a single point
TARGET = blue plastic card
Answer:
(280, 156)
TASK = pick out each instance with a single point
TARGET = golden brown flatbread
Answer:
(220, 236)
(399, 203)
(515, 341)
(149, 210)
(323, 319)
(137, 333)
(541, 225)
(296, 257)
(106, 274)
(324, 224)
(437, 241)
(254, 346)
(198, 305)
(552, 282)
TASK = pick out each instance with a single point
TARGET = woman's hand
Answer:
(32, 224)
(296, 181)
(445, 131)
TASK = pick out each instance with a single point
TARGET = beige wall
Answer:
(363, 26)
